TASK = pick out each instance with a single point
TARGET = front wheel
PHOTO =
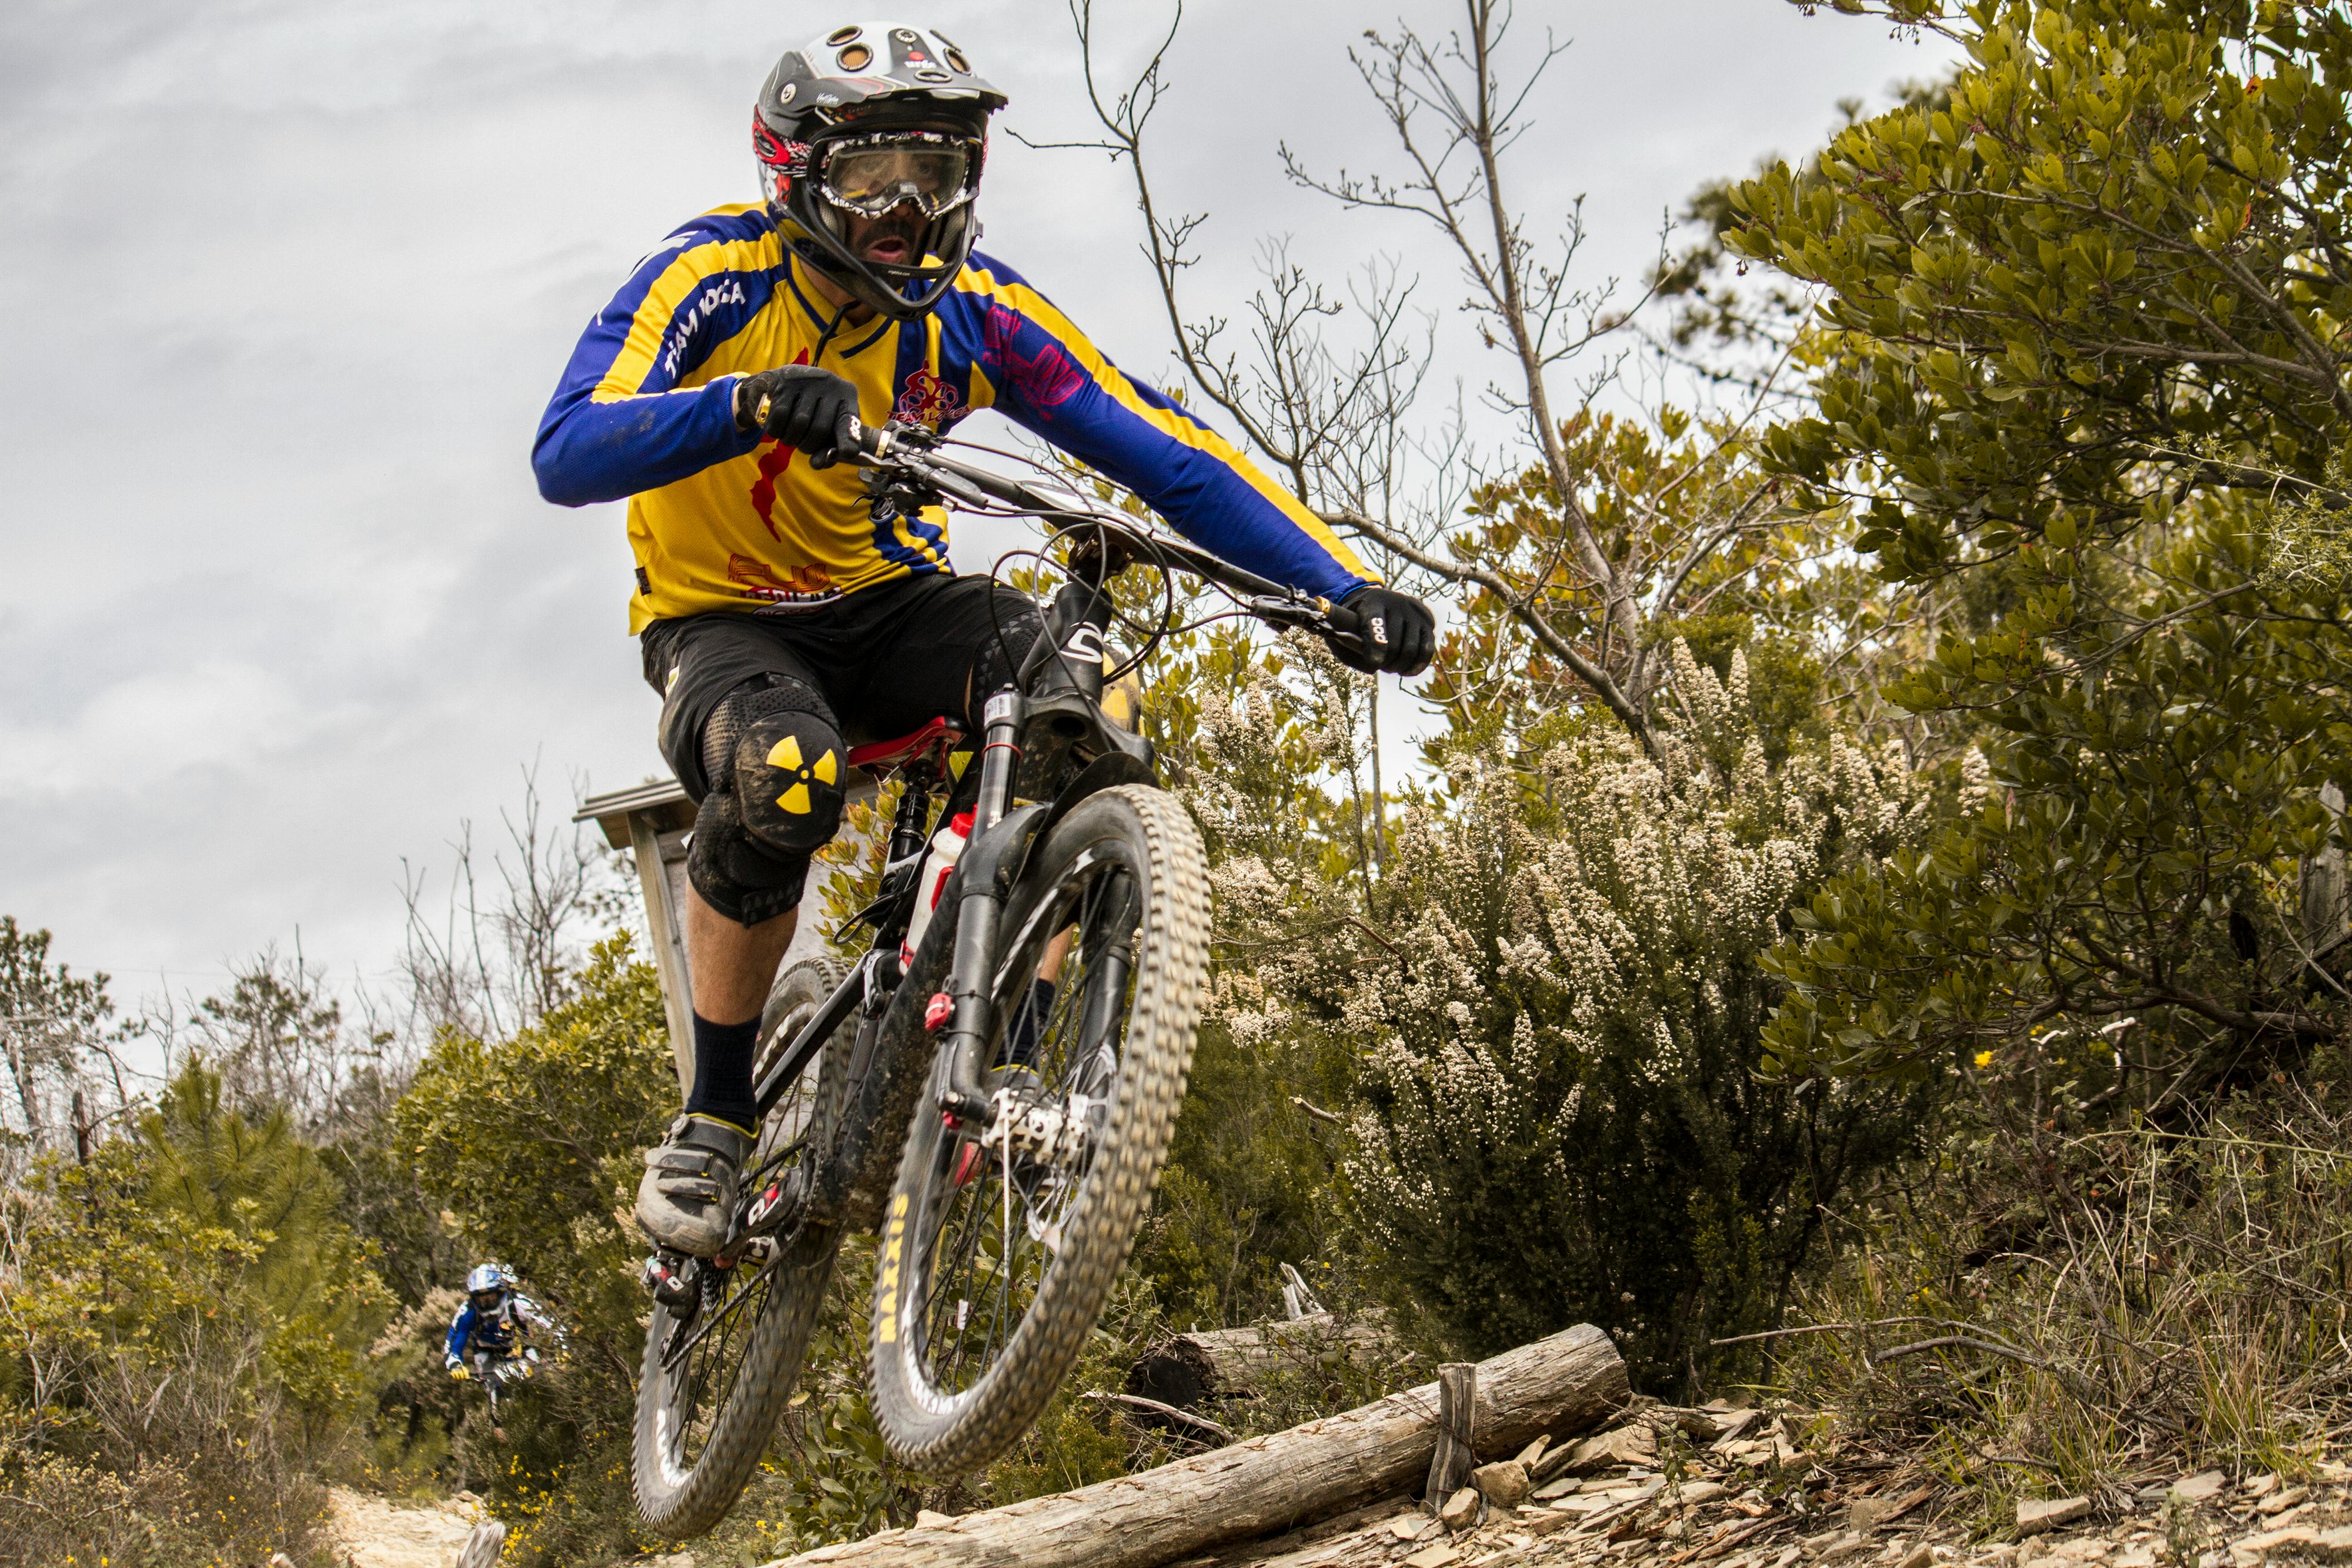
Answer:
(999, 1250)
(716, 1377)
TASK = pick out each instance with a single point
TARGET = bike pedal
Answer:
(770, 1198)
(672, 1283)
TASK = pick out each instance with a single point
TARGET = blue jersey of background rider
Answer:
(499, 1331)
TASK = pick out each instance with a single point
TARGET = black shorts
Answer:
(884, 661)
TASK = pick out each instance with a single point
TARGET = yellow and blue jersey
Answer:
(721, 520)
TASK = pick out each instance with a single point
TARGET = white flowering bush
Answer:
(1556, 1011)
(1268, 747)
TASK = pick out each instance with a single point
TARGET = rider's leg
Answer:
(774, 766)
(733, 965)
(953, 644)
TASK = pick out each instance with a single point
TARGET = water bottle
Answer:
(947, 847)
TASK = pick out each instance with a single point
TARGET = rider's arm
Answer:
(461, 1331)
(620, 421)
(1043, 375)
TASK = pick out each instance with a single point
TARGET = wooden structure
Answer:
(1457, 1432)
(653, 821)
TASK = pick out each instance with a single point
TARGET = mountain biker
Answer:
(776, 615)
(493, 1323)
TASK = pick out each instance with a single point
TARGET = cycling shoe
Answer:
(687, 1201)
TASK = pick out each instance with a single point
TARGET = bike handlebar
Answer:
(909, 450)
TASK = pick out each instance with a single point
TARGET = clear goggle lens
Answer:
(872, 176)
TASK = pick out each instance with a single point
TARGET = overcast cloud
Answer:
(289, 284)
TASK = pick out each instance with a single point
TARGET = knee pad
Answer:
(790, 769)
(744, 706)
(741, 878)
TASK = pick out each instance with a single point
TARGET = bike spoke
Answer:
(994, 1235)
(711, 1356)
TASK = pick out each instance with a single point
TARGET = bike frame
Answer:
(1045, 736)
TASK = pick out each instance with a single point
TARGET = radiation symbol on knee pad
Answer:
(786, 757)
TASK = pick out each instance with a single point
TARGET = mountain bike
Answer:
(995, 1097)
(497, 1375)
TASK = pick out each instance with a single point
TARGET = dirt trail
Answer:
(371, 1532)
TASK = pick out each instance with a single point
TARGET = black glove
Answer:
(803, 406)
(1398, 633)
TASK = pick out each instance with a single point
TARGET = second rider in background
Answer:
(779, 619)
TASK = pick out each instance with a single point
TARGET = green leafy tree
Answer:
(533, 1144)
(184, 1323)
(2080, 355)
(52, 1022)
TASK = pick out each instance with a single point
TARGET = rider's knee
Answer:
(777, 768)
(790, 771)
(745, 880)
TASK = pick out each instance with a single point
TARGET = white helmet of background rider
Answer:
(487, 1287)
(870, 117)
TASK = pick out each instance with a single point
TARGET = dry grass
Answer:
(2081, 1314)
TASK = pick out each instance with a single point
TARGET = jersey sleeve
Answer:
(619, 423)
(461, 1329)
(1043, 375)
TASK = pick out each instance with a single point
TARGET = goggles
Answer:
(870, 176)
(485, 1299)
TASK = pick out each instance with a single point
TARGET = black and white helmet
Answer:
(870, 117)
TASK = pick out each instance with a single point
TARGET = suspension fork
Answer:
(1067, 657)
(980, 911)
(1106, 972)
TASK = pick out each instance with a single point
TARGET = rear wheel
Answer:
(998, 1252)
(715, 1375)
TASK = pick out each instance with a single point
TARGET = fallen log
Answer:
(1562, 1385)
(1209, 1363)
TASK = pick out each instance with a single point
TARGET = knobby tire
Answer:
(745, 1367)
(945, 1406)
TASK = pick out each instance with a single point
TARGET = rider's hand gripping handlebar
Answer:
(904, 459)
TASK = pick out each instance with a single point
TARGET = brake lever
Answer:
(1335, 623)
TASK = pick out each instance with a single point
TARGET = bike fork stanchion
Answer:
(974, 959)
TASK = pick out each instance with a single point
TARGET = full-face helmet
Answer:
(487, 1287)
(870, 118)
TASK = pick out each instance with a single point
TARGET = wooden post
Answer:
(665, 924)
(653, 822)
(1457, 1424)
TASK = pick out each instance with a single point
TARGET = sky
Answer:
(289, 282)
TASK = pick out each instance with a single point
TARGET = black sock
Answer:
(722, 1072)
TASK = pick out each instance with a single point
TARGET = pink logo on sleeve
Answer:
(1045, 379)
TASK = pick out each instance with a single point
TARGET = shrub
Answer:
(185, 1320)
(533, 1144)
(2095, 1307)
(1560, 1018)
